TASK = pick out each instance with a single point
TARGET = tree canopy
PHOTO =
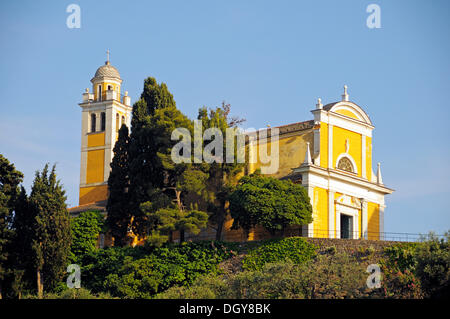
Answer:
(272, 203)
(10, 179)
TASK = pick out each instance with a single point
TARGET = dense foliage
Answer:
(10, 179)
(332, 276)
(86, 229)
(141, 273)
(295, 249)
(272, 203)
(42, 237)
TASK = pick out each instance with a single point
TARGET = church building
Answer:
(330, 155)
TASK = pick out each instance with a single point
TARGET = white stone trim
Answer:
(343, 183)
(331, 215)
(349, 211)
(352, 107)
(93, 184)
(343, 121)
(308, 230)
(364, 217)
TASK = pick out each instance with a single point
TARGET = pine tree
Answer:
(118, 206)
(222, 176)
(10, 179)
(155, 116)
(51, 230)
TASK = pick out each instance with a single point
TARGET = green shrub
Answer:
(67, 293)
(296, 249)
(401, 256)
(85, 231)
(336, 276)
(141, 273)
(433, 266)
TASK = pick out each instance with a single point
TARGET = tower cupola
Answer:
(106, 82)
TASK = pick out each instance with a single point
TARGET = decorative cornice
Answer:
(342, 176)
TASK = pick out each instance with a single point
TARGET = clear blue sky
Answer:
(270, 60)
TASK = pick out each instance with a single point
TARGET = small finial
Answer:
(379, 179)
(268, 125)
(307, 160)
(126, 93)
(87, 90)
(345, 95)
(107, 57)
(319, 104)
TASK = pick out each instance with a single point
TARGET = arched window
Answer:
(117, 122)
(103, 121)
(346, 165)
(93, 122)
(123, 120)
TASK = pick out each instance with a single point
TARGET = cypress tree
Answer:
(22, 251)
(51, 229)
(118, 205)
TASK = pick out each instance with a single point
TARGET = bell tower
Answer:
(104, 110)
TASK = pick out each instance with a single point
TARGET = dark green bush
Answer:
(141, 273)
(296, 249)
(433, 267)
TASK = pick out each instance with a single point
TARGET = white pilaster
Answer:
(308, 230)
(331, 215)
(365, 222)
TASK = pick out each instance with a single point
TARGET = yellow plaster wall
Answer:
(292, 150)
(95, 166)
(320, 212)
(347, 113)
(96, 139)
(339, 137)
(93, 194)
(369, 158)
(373, 220)
(324, 144)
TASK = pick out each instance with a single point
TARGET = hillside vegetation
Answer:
(278, 268)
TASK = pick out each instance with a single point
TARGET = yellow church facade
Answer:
(330, 155)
